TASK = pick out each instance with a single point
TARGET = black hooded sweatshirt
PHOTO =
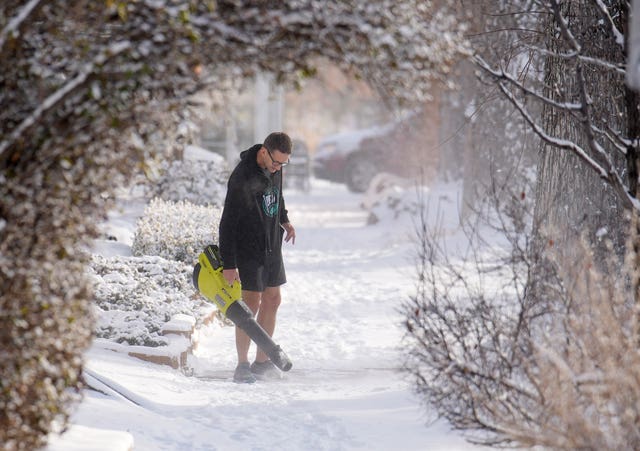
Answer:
(253, 211)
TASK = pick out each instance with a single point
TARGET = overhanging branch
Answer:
(14, 24)
(57, 97)
(608, 174)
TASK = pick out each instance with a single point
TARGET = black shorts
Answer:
(255, 276)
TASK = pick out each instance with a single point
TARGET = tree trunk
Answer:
(571, 199)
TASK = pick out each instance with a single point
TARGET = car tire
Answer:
(359, 172)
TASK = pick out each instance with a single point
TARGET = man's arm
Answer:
(227, 232)
(230, 275)
(290, 232)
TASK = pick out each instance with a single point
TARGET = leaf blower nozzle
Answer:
(208, 280)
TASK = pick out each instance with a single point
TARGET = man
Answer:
(251, 232)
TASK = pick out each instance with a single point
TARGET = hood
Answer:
(251, 152)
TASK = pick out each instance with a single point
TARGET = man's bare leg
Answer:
(252, 299)
(267, 315)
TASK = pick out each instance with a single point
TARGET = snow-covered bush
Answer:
(135, 296)
(201, 182)
(523, 342)
(469, 324)
(175, 230)
(389, 197)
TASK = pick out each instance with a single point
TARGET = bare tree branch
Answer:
(14, 24)
(617, 34)
(61, 94)
(607, 173)
(617, 68)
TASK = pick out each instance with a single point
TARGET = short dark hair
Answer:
(278, 141)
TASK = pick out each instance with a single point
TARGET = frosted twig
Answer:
(13, 25)
(501, 74)
(58, 96)
(616, 33)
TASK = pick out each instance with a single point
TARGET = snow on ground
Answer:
(338, 323)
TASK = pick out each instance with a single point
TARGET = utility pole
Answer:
(268, 107)
(231, 136)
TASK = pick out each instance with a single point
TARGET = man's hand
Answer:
(291, 233)
(230, 275)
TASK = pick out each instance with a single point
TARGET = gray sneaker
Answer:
(265, 370)
(243, 374)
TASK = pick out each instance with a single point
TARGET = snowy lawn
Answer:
(338, 323)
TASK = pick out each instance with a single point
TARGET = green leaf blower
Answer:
(209, 281)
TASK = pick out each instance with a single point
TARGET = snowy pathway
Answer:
(338, 323)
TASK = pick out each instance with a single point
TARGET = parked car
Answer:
(298, 172)
(354, 158)
(337, 158)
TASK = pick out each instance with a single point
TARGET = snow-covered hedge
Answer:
(175, 230)
(135, 296)
(389, 197)
(199, 181)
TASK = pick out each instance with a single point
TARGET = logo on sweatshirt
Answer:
(270, 201)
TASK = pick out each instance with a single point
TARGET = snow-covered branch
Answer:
(602, 163)
(564, 27)
(69, 88)
(618, 68)
(502, 75)
(608, 173)
(552, 140)
(604, 10)
(12, 27)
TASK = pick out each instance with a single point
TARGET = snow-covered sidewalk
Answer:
(338, 323)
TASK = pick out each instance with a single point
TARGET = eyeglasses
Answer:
(276, 162)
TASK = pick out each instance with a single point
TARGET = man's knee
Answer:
(252, 299)
(271, 299)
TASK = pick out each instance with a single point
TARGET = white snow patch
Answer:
(179, 323)
(196, 153)
(82, 438)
